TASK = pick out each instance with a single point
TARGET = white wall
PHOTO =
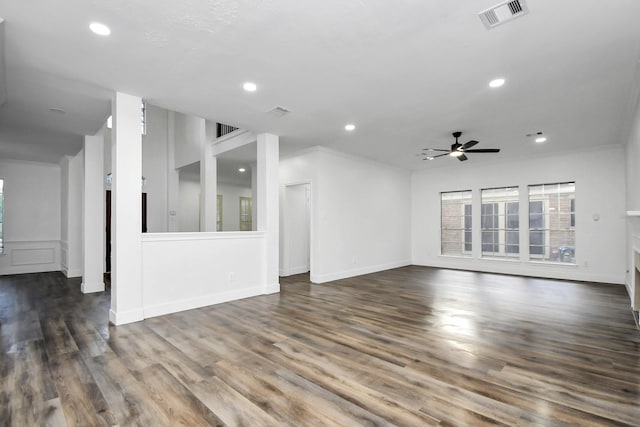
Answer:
(214, 268)
(189, 138)
(155, 169)
(32, 221)
(189, 202)
(360, 216)
(231, 205)
(598, 174)
(633, 204)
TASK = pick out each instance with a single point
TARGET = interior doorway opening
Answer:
(297, 229)
(107, 204)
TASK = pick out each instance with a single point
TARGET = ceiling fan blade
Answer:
(435, 157)
(434, 149)
(483, 150)
(469, 144)
(462, 158)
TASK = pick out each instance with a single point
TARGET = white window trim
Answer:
(502, 231)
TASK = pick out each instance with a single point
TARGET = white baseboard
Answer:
(88, 288)
(70, 273)
(522, 268)
(124, 317)
(323, 278)
(28, 269)
(205, 300)
(272, 289)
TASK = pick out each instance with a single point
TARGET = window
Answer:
(1, 215)
(552, 222)
(500, 222)
(245, 214)
(573, 212)
(456, 223)
(536, 227)
(219, 212)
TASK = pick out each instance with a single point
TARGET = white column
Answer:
(126, 199)
(208, 188)
(93, 231)
(72, 241)
(254, 196)
(268, 209)
(173, 178)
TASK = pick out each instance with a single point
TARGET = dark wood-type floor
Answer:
(412, 346)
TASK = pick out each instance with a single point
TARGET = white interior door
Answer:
(297, 223)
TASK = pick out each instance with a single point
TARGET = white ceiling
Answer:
(407, 73)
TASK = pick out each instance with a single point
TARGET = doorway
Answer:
(108, 226)
(297, 225)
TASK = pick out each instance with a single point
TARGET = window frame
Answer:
(548, 214)
(465, 217)
(500, 217)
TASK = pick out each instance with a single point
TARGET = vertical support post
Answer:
(208, 187)
(93, 214)
(173, 179)
(267, 206)
(126, 271)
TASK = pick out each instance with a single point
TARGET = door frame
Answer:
(286, 252)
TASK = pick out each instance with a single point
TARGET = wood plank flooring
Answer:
(412, 346)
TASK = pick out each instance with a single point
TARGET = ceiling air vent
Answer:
(279, 111)
(503, 12)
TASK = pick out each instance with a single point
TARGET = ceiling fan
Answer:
(457, 150)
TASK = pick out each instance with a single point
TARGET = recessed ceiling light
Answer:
(57, 110)
(242, 170)
(350, 127)
(100, 29)
(541, 139)
(496, 82)
(249, 87)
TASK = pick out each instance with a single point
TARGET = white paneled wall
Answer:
(32, 217)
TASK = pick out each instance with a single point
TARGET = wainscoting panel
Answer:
(30, 257)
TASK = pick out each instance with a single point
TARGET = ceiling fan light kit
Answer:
(458, 150)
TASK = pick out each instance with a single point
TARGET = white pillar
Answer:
(267, 206)
(72, 216)
(126, 224)
(93, 215)
(208, 187)
(173, 178)
(254, 196)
